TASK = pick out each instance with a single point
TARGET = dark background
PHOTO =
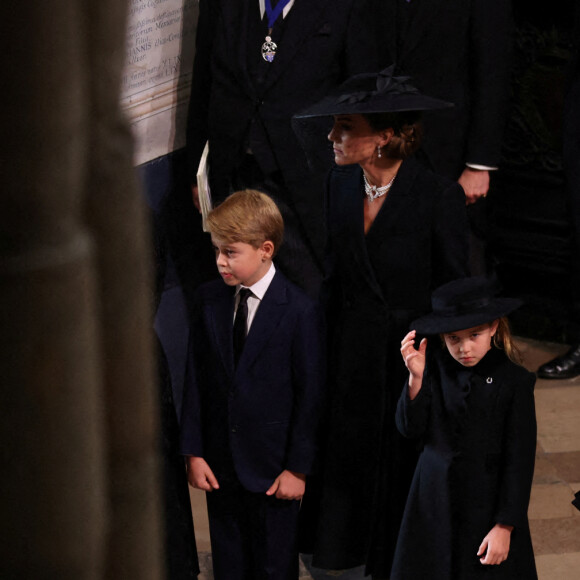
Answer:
(529, 229)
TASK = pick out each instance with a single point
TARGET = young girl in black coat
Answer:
(473, 409)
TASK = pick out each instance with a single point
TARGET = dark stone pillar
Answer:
(116, 215)
(78, 490)
(53, 483)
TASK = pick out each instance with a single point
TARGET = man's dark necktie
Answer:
(241, 323)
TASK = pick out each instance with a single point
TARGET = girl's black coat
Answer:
(378, 284)
(478, 426)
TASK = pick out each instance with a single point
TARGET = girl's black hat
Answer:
(373, 93)
(464, 303)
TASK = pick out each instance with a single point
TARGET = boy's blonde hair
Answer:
(247, 216)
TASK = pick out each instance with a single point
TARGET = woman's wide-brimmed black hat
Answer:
(373, 93)
(464, 303)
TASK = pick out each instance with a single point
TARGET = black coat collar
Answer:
(346, 201)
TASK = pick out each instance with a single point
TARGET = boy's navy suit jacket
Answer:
(266, 411)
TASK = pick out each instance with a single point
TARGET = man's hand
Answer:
(199, 474)
(475, 183)
(195, 196)
(496, 545)
(288, 485)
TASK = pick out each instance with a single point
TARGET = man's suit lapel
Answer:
(236, 16)
(222, 321)
(271, 309)
(388, 15)
(422, 19)
(303, 19)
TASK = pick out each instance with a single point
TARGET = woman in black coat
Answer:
(396, 232)
(473, 408)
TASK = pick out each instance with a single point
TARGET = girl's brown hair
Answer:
(502, 339)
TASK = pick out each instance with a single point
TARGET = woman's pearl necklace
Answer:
(373, 191)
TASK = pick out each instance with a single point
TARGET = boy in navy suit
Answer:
(252, 399)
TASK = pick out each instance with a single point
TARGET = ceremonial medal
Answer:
(269, 49)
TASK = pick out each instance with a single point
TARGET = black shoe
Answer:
(566, 366)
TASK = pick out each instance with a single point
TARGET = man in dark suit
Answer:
(243, 98)
(568, 365)
(252, 404)
(459, 51)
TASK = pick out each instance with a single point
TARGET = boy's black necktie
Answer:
(241, 323)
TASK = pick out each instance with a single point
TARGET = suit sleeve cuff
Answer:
(481, 167)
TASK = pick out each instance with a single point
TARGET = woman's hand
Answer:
(414, 361)
(496, 545)
(288, 485)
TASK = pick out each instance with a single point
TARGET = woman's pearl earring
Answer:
(379, 151)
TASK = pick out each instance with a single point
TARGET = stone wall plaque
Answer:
(157, 78)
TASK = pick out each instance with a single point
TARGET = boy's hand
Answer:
(199, 474)
(288, 485)
(414, 361)
(195, 197)
(496, 545)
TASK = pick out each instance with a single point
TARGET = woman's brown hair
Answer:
(407, 130)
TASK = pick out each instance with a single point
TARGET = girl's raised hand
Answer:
(415, 362)
(414, 359)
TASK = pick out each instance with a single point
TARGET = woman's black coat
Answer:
(377, 285)
(478, 426)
